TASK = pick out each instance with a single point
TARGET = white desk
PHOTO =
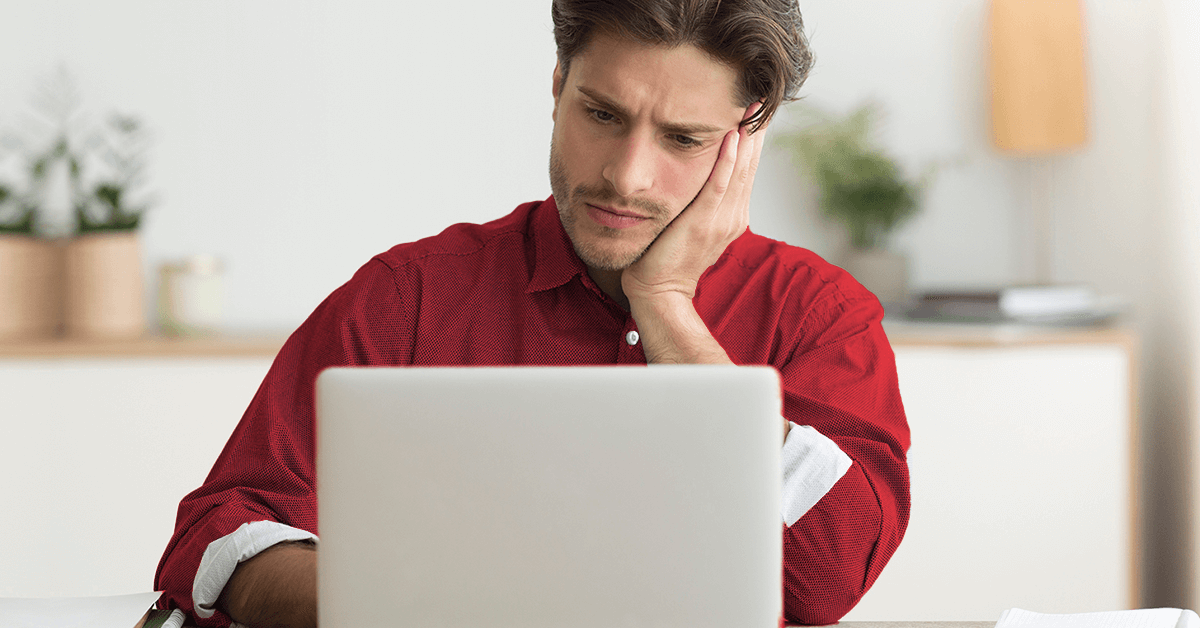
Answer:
(917, 624)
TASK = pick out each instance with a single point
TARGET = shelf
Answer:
(900, 333)
(915, 334)
(225, 345)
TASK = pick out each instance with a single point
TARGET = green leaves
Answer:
(123, 149)
(23, 224)
(861, 186)
(104, 165)
(115, 215)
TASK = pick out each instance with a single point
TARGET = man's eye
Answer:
(601, 115)
(686, 141)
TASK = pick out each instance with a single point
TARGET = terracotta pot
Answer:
(31, 293)
(884, 273)
(104, 286)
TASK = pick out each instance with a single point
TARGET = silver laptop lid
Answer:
(550, 497)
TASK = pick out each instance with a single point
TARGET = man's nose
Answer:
(630, 170)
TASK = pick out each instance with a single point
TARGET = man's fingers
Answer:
(726, 192)
(749, 149)
(718, 179)
(753, 147)
(742, 180)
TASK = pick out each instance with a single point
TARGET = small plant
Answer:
(103, 165)
(861, 186)
(123, 150)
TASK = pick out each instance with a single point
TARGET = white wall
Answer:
(296, 139)
(925, 64)
(1119, 225)
(1177, 281)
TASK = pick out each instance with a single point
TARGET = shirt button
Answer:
(631, 338)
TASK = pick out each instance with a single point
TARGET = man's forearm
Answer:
(673, 333)
(276, 588)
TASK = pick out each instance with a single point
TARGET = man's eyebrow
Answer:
(680, 128)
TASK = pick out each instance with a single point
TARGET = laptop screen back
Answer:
(550, 497)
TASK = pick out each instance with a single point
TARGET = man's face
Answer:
(637, 130)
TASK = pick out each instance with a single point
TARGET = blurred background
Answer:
(294, 140)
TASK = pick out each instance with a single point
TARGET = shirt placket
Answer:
(630, 344)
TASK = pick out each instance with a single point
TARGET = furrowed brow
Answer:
(690, 129)
(676, 128)
(607, 104)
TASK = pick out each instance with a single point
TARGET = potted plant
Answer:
(864, 189)
(104, 287)
(30, 284)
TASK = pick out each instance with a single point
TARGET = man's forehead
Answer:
(683, 81)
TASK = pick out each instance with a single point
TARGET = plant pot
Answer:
(31, 288)
(883, 272)
(104, 286)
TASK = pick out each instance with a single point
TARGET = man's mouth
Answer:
(614, 217)
(620, 212)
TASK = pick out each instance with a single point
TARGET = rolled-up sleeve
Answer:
(266, 473)
(852, 506)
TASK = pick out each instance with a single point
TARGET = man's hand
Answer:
(661, 284)
(699, 235)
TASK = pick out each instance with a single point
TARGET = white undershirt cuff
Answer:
(223, 555)
(812, 464)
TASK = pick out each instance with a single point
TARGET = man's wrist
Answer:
(673, 332)
(668, 305)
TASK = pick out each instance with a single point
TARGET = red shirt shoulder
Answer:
(810, 276)
(464, 240)
(766, 300)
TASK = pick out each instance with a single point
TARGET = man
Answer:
(642, 255)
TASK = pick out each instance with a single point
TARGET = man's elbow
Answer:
(818, 610)
(837, 550)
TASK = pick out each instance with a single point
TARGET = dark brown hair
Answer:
(762, 39)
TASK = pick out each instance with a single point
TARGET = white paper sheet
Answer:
(1142, 618)
(117, 611)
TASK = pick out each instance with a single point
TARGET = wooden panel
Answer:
(914, 334)
(264, 345)
(1038, 75)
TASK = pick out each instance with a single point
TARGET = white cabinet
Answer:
(1022, 471)
(96, 453)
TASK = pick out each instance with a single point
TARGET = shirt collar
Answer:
(555, 261)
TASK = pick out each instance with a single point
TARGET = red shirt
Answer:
(512, 291)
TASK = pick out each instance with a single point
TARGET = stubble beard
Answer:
(570, 202)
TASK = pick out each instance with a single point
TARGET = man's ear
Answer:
(556, 85)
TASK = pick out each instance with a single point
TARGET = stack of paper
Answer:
(1058, 304)
(118, 611)
(1143, 618)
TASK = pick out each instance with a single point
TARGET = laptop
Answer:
(564, 497)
